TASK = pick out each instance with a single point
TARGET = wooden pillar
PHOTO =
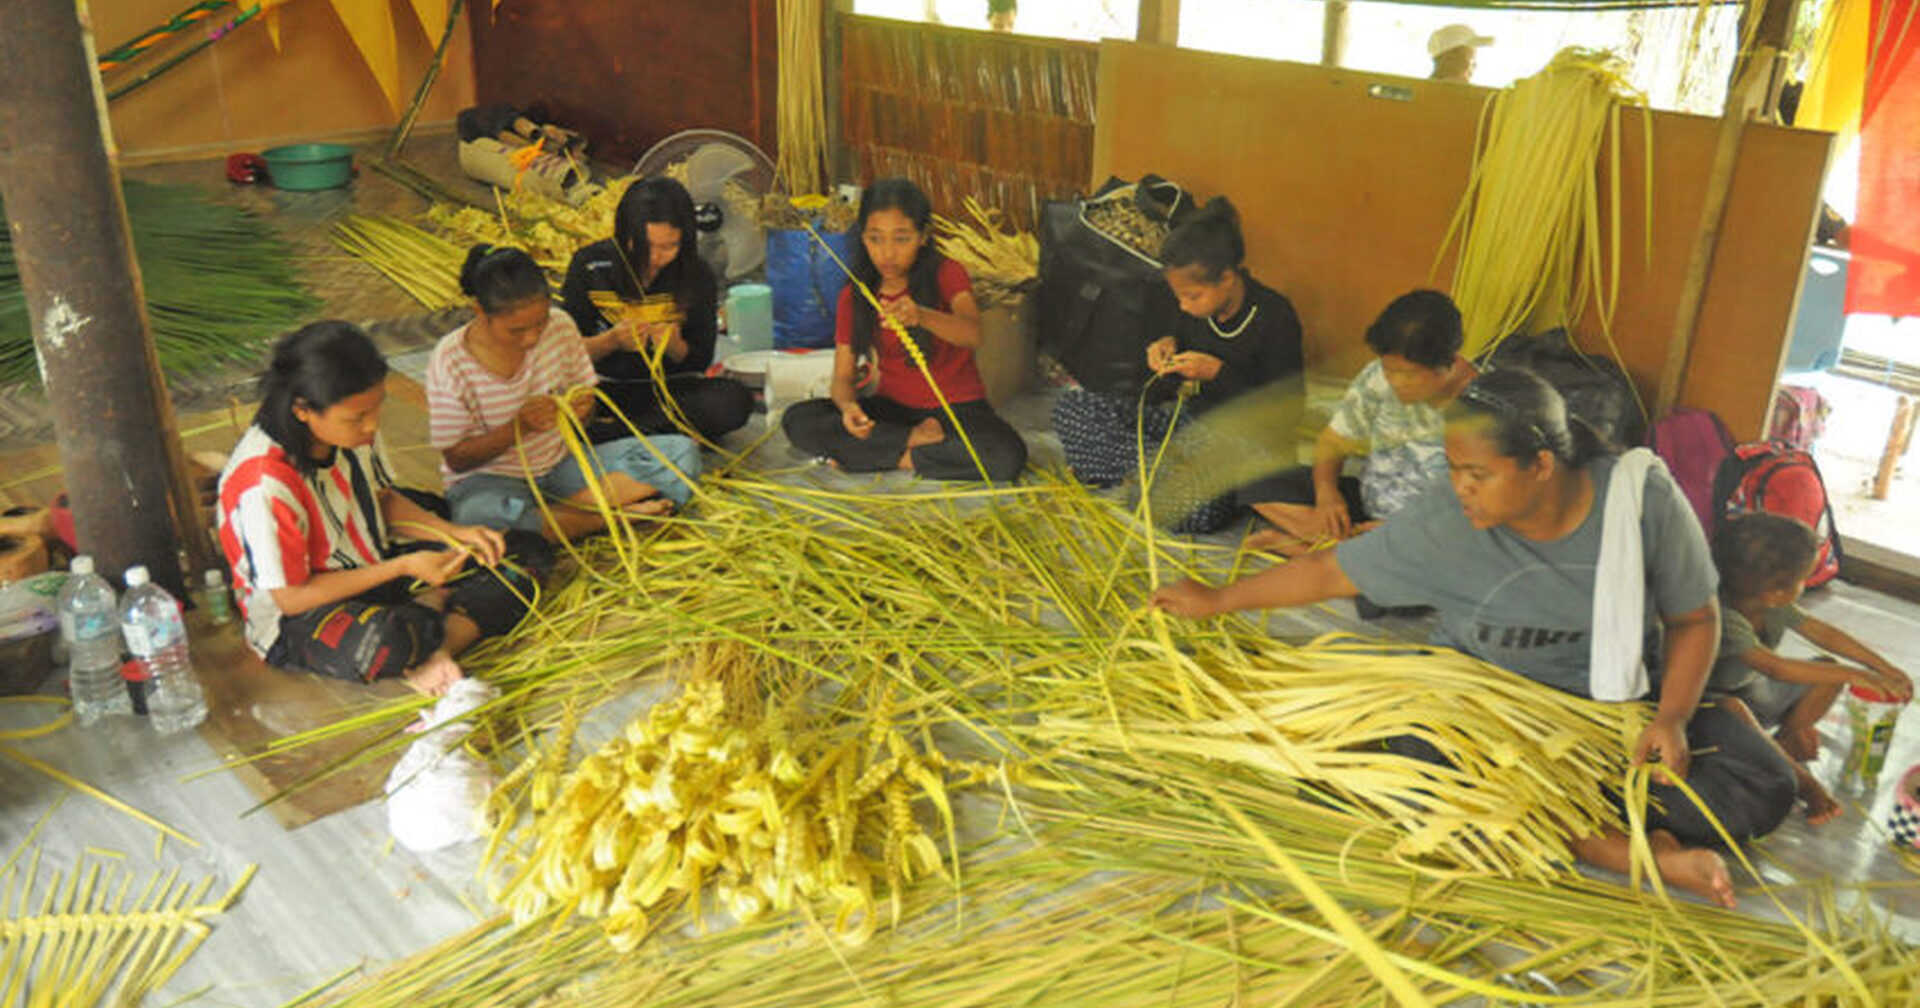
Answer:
(840, 166)
(1897, 438)
(1159, 22)
(1333, 34)
(1748, 97)
(119, 448)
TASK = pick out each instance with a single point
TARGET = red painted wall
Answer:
(628, 73)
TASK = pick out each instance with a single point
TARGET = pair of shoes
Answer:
(556, 138)
(530, 168)
(516, 128)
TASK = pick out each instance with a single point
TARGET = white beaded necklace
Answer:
(1223, 334)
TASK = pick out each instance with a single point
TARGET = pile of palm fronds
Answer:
(1534, 248)
(1182, 815)
(426, 262)
(217, 281)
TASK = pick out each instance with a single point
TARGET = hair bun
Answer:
(470, 269)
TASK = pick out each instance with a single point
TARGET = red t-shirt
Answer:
(900, 378)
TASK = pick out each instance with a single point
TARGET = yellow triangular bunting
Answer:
(370, 23)
(433, 17)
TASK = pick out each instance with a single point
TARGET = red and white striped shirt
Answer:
(465, 400)
(279, 527)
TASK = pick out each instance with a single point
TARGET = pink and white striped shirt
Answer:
(465, 400)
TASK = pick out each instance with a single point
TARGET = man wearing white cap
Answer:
(1452, 49)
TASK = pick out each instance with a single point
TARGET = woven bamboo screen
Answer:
(1005, 119)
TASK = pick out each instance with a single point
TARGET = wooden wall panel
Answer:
(1006, 119)
(1346, 198)
(628, 74)
(240, 94)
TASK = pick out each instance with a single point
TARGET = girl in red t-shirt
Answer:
(901, 425)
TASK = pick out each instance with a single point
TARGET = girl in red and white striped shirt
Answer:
(307, 509)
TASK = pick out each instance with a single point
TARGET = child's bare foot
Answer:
(1822, 807)
(434, 676)
(1802, 743)
(1698, 870)
(652, 507)
(926, 432)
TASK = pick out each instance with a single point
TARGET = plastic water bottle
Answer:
(90, 625)
(157, 636)
(214, 601)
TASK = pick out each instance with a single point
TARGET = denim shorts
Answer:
(669, 463)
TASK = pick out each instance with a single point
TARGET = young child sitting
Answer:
(1390, 414)
(1764, 560)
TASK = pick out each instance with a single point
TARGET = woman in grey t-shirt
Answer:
(1507, 550)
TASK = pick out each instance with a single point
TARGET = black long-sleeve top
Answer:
(1259, 346)
(597, 267)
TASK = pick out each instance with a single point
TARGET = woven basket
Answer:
(22, 557)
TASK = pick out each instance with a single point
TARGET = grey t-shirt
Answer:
(1524, 605)
(1738, 636)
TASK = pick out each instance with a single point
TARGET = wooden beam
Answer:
(1159, 22)
(1333, 33)
(1747, 98)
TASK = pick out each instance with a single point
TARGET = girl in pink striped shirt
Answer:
(491, 388)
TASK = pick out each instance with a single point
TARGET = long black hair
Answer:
(501, 278)
(314, 367)
(1210, 241)
(1422, 325)
(923, 279)
(658, 200)
(1525, 415)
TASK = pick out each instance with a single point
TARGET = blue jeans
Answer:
(507, 502)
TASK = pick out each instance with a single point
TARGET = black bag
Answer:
(1101, 300)
(1595, 387)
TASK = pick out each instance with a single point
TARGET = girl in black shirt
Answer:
(1235, 335)
(654, 251)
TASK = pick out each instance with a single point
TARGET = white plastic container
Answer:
(796, 376)
(1871, 715)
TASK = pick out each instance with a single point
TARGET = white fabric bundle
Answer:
(1617, 668)
(437, 793)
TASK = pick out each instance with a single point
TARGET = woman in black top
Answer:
(1235, 336)
(653, 251)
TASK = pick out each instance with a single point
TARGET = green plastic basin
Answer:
(310, 166)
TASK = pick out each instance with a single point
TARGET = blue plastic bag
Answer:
(806, 286)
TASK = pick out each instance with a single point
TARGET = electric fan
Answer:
(726, 175)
